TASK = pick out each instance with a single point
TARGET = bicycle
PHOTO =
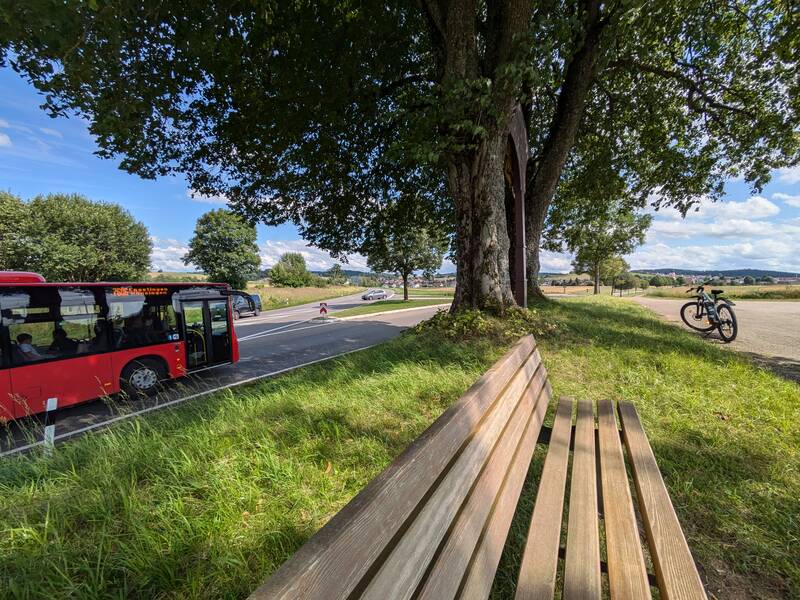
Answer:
(707, 313)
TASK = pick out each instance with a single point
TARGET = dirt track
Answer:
(768, 331)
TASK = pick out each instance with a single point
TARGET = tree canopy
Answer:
(224, 247)
(291, 271)
(67, 237)
(404, 240)
(321, 113)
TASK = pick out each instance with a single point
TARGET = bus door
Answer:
(207, 332)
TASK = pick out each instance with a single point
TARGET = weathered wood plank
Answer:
(627, 574)
(494, 496)
(334, 561)
(676, 572)
(404, 567)
(537, 577)
(478, 580)
(582, 564)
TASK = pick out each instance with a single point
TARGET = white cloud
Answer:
(555, 262)
(168, 254)
(789, 174)
(787, 198)
(51, 132)
(198, 197)
(3, 123)
(5, 141)
(724, 229)
(316, 259)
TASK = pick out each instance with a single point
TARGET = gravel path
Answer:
(768, 331)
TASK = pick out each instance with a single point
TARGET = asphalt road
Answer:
(272, 343)
(769, 331)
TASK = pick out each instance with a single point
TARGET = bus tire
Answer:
(141, 377)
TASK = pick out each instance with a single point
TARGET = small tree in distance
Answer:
(224, 247)
(599, 236)
(290, 271)
(405, 239)
(336, 275)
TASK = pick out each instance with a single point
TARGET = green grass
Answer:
(434, 292)
(275, 297)
(206, 500)
(385, 305)
(735, 292)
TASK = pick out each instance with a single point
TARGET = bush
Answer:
(506, 327)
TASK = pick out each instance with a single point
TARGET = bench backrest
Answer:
(434, 523)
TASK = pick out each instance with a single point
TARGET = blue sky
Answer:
(40, 155)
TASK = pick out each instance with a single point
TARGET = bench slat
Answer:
(402, 570)
(582, 564)
(478, 580)
(537, 577)
(490, 507)
(676, 572)
(627, 573)
(333, 563)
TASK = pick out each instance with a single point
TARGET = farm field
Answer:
(208, 499)
(275, 297)
(735, 292)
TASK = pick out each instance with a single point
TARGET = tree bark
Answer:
(405, 287)
(475, 176)
(596, 278)
(544, 175)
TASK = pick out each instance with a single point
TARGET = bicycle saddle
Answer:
(717, 292)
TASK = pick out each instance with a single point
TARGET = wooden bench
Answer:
(434, 523)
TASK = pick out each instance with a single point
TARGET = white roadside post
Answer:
(50, 425)
(323, 310)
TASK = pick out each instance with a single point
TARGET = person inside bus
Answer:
(99, 342)
(62, 344)
(27, 349)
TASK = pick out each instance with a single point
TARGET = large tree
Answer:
(405, 239)
(67, 237)
(321, 112)
(290, 271)
(224, 247)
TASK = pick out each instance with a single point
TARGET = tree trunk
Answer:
(596, 278)
(405, 287)
(543, 176)
(477, 184)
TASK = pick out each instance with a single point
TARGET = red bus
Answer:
(79, 341)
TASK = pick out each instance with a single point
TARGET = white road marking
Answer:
(258, 336)
(262, 333)
(184, 399)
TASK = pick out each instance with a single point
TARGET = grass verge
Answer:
(735, 292)
(207, 499)
(429, 292)
(273, 297)
(387, 305)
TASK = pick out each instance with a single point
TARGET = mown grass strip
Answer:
(388, 305)
(207, 499)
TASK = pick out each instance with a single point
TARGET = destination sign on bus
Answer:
(139, 291)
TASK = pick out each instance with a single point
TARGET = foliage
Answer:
(335, 275)
(224, 247)
(291, 271)
(595, 232)
(668, 100)
(67, 237)
(403, 239)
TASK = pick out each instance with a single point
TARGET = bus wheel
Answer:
(141, 377)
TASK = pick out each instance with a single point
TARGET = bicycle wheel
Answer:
(695, 317)
(728, 328)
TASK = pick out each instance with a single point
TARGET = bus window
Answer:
(141, 319)
(47, 323)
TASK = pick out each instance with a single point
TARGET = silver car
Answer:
(375, 295)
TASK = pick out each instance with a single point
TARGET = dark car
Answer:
(245, 305)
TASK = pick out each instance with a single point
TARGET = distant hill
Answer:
(724, 273)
